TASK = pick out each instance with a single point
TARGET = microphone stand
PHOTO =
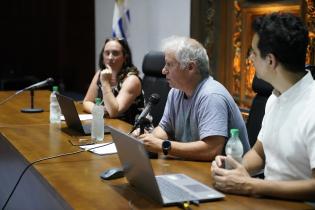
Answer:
(32, 109)
(31, 88)
(143, 122)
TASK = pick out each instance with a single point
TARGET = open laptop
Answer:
(166, 189)
(72, 118)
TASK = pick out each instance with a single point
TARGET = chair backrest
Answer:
(257, 111)
(311, 68)
(154, 82)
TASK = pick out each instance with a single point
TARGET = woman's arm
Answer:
(89, 99)
(130, 90)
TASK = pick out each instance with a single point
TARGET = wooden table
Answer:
(73, 181)
(10, 112)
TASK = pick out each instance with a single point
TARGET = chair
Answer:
(154, 82)
(311, 68)
(257, 111)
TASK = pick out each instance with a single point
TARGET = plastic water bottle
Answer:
(97, 129)
(234, 147)
(55, 111)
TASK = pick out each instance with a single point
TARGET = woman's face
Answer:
(113, 55)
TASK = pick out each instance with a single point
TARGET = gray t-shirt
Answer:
(211, 111)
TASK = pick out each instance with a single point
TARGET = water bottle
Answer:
(55, 111)
(234, 147)
(97, 129)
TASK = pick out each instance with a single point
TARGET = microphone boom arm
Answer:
(9, 97)
(31, 88)
(153, 100)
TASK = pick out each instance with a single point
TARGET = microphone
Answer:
(153, 99)
(142, 121)
(44, 83)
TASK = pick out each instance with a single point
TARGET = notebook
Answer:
(72, 119)
(166, 189)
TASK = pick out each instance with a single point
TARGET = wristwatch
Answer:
(166, 146)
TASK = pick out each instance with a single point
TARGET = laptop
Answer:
(72, 118)
(169, 189)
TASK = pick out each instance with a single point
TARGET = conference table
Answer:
(73, 182)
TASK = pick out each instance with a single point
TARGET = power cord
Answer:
(186, 205)
(42, 159)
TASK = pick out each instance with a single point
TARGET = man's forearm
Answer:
(158, 132)
(253, 162)
(303, 190)
(202, 150)
(254, 159)
(192, 151)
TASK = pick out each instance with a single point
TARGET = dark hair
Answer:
(128, 66)
(285, 36)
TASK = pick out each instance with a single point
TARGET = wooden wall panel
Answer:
(48, 39)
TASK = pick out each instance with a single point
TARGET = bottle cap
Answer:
(234, 132)
(55, 88)
(98, 101)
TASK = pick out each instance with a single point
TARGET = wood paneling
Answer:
(232, 37)
(48, 39)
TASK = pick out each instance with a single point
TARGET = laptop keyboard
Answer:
(173, 192)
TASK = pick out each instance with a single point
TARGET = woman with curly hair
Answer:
(117, 82)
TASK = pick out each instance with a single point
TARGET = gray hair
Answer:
(186, 50)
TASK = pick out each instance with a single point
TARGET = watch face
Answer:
(166, 144)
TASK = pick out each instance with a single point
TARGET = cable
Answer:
(42, 159)
(11, 96)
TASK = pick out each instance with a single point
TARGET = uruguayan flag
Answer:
(121, 19)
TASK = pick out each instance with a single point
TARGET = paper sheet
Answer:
(108, 148)
(81, 116)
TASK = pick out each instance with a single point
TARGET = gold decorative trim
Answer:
(237, 44)
(243, 70)
(310, 22)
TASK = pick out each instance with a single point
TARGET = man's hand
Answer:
(151, 143)
(235, 181)
(218, 162)
(136, 132)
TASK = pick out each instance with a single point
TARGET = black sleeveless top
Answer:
(135, 108)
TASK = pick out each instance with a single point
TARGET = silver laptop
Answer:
(72, 118)
(166, 189)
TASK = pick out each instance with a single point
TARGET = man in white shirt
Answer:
(285, 147)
